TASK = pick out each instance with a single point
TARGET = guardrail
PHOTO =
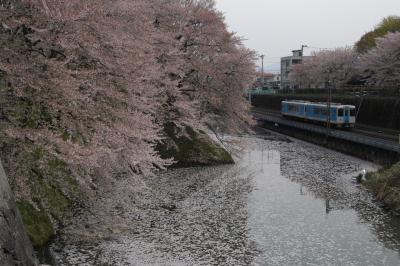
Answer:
(348, 90)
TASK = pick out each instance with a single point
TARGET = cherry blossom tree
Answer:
(382, 64)
(327, 67)
(301, 74)
(335, 67)
(103, 83)
(115, 71)
(219, 67)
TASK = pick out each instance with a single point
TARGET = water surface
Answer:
(285, 202)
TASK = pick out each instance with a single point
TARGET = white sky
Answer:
(276, 27)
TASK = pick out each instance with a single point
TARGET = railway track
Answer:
(374, 139)
(386, 134)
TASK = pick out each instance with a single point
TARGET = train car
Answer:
(341, 115)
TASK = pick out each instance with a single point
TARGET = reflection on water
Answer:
(283, 203)
(304, 216)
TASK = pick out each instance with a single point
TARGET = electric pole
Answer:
(302, 51)
(329, 103)
(302, 59)
(262, 70)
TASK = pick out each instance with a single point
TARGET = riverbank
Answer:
(385, 184)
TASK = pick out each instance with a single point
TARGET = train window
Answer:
(352, 112)
(293, 108)
(321, 111)
(340, 112)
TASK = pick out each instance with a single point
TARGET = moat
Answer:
(285, 202)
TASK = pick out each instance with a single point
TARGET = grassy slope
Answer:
(386, 185)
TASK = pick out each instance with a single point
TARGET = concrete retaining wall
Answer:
(368, 153)
(15, 247)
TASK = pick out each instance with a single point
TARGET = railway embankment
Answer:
(377, 155)
(385, 183)
(374, 111)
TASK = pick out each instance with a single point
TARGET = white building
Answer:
(286, 66)
(272, 81)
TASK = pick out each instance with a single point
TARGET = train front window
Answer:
(352, 112)
(340, 112)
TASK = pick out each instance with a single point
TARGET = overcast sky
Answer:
(276, 27)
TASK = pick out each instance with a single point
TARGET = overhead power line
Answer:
(320, 48)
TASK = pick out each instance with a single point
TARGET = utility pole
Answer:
(262, 70)
(302, 52)
(302, 59)
(328, 110)
(329, 103)
(250, 96)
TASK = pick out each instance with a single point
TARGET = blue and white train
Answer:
(341, 115)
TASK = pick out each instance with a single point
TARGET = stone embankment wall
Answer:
(15, 247)
(374, 111)
(358, 150)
